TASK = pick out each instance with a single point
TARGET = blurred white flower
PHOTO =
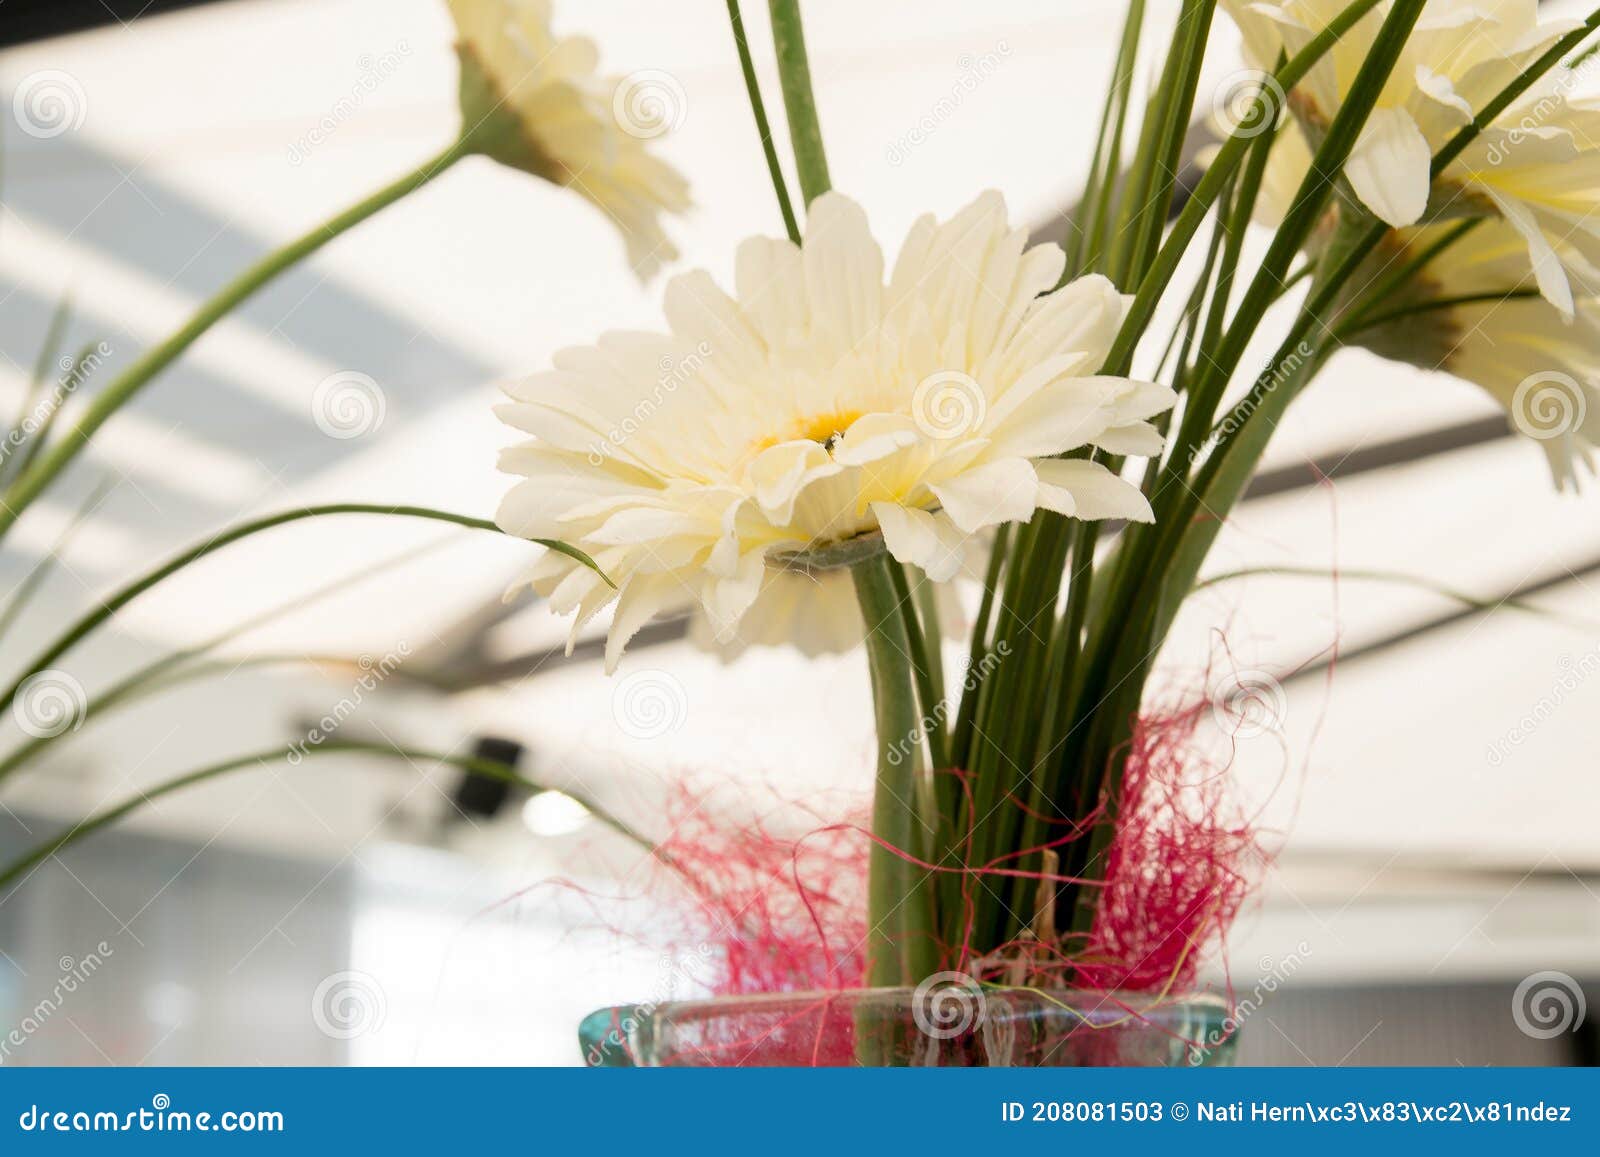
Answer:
(536, 103)
(1537, 166)
(1543, 368)
(821, 405)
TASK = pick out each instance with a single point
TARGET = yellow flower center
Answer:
(824, 429)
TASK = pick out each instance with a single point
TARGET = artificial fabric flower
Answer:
(820, 405)
(1541, 366)
(1537, 166)
(816, 613)
(536, 103)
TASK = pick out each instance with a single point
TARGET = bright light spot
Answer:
(552, 813)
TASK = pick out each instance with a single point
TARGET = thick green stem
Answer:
(104, 404)
(805, 132)
(902, 945)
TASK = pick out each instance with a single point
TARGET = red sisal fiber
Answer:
(785, 913)
(1176, 870)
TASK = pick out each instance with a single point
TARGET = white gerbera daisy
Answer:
(536, 103)
(820, 406)
(1538, 166)
(1543, 368)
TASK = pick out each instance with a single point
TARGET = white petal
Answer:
(1139, 439)
(843, 271)
(1094, 491)
(921, 539)
(1389, 167)
(640, 601)
(726, 600)
(779, 473)
(1547, 269)
(995, 492)
(875, 436)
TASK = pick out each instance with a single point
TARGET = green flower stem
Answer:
(20, 867)
(111, 605)
(1228, 159)
(1345, 333)
(924, 661)
(153, 679)
(1086, 245)
(902, 945)
(758, 108)
(106, 402)
(805, 132)
(1151, 185)
(1161, 574)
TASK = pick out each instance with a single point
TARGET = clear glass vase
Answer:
(953, 1026)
